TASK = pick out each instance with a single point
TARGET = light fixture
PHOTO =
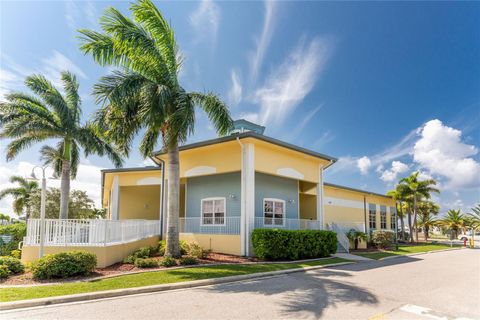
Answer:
(232, 196)
(291, 201)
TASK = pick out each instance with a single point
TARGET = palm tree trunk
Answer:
(173, 244)
(415, 216)
(410, 227)
(402, 222)
(426, 233)
(64, 189)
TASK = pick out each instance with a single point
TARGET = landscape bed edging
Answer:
(4, 306)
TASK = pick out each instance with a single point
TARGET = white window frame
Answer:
(370, 213)
(284, 212)
(213, 216)
(383, 215)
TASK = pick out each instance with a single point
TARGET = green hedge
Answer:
(276, 244)
(64, 265)
(14, 265)
(17, 231)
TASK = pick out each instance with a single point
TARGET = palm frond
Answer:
(73, 100)
(216, 110)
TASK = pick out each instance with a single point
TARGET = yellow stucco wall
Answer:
(308, 206)
(139, 202)
(106, 255)
(221, 243)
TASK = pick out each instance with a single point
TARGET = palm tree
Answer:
(475, 216)
(146, 94)
(416, 189)
(20, 194)
(454, 220)
(28, 119)
(426, 221)
(400, 196)
(356, 237)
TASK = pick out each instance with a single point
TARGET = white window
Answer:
(273, 212)
(213, 211)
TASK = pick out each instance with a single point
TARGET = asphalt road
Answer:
(443, 285)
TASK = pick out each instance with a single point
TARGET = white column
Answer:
(247, 197)
(320, 201)
(115, 198)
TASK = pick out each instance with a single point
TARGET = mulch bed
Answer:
(120, 268)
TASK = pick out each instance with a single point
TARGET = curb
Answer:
(148, 289)
(157, 270)
(417, 254)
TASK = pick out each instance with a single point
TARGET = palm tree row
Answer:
(143, 95)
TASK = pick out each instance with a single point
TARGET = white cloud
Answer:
(263, 41)
(53, 65)
(441, 151)
(88, 179)
(235, 92)
(206, 20)
(364, 164)
(78, 14)
(391, 174)
(292, 81)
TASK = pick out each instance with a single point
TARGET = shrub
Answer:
(64, 264)
(382, 238)
(17, 231)
(16, 254)
(161, 247)
(168, 262)
(188, 260)
(183, 247)
(143, 252)
(194, 250)
(276, 244)
(14, 265)
(4, 272)
(146, 263)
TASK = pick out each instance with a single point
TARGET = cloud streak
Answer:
(235, 92)
(292, 81)
(206, 20)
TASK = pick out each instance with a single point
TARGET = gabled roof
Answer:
(251, 134)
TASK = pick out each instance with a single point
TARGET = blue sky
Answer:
(388, 88)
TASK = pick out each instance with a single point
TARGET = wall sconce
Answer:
(232, 196)
(291, 201)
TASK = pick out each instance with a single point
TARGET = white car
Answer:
(468, 236)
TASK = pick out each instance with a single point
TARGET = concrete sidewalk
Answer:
(351, 257)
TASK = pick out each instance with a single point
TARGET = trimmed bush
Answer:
(161, 247)
(194, 250)
(183, 247)
(14, 265)
(382, 238)
(188, 261)
(146, 263)
(276, 244)
(168, 262)
(4, 272)
(17, 231)
(143, 252)
(64, 265)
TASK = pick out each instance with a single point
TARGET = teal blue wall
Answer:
(218, 185)
(267, 186)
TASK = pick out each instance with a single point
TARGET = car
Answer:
(468, 236)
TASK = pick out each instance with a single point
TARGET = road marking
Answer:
(426, 312)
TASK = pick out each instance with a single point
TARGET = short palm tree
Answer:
(454, 221)
(427, 221)
(28, 119)
(417, 189)
(21, 194)
(475, 216)
(356, 237)
(146, 94)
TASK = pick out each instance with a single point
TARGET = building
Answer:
(234, 184)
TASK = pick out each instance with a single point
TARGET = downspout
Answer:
(243, 217)
(365, 212)
(162, 192)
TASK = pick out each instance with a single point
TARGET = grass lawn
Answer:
(151, 278)
(402, 250)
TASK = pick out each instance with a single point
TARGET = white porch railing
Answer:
(287, 224)
(224, 225)
(90, 232)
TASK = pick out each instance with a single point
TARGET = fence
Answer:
(90, 232)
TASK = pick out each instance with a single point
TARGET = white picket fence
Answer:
(90, 232)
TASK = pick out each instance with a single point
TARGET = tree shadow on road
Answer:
(305, 294)
(373, 264)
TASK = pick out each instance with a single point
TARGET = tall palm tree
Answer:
(27, 119)
(416, 189)
(146, 94)
(21, 194)
(475, 216)
(454, 220)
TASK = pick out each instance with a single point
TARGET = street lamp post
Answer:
(42, 207)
